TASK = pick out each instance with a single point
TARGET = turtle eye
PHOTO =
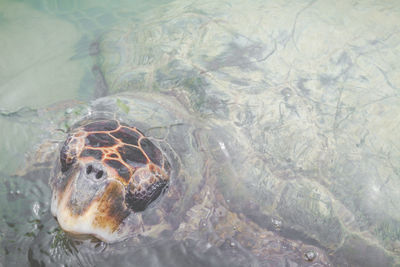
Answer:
(66, 157)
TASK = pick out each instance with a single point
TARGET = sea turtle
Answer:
(138, 172)
(162, 186)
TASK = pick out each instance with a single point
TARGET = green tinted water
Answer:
(302, 99)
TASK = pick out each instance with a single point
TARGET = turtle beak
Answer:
(86, 202)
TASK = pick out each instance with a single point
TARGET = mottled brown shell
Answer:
(126, 155)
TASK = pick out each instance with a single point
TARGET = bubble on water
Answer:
(310, 255)
(223, 148)
(277, 224)
(36, 208)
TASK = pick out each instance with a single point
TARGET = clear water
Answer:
(300, 101)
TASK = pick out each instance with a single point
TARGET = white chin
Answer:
(84, 224)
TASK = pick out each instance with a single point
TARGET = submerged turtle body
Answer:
(177, 166)
(290, 142)
(108, 170)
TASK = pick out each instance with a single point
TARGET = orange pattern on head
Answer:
(110, 156)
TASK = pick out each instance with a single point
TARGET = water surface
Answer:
(300, 98)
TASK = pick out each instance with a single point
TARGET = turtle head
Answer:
(107, 174)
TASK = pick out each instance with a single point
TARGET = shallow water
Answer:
(294, 110)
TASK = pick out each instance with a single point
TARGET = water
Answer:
(290, 109)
